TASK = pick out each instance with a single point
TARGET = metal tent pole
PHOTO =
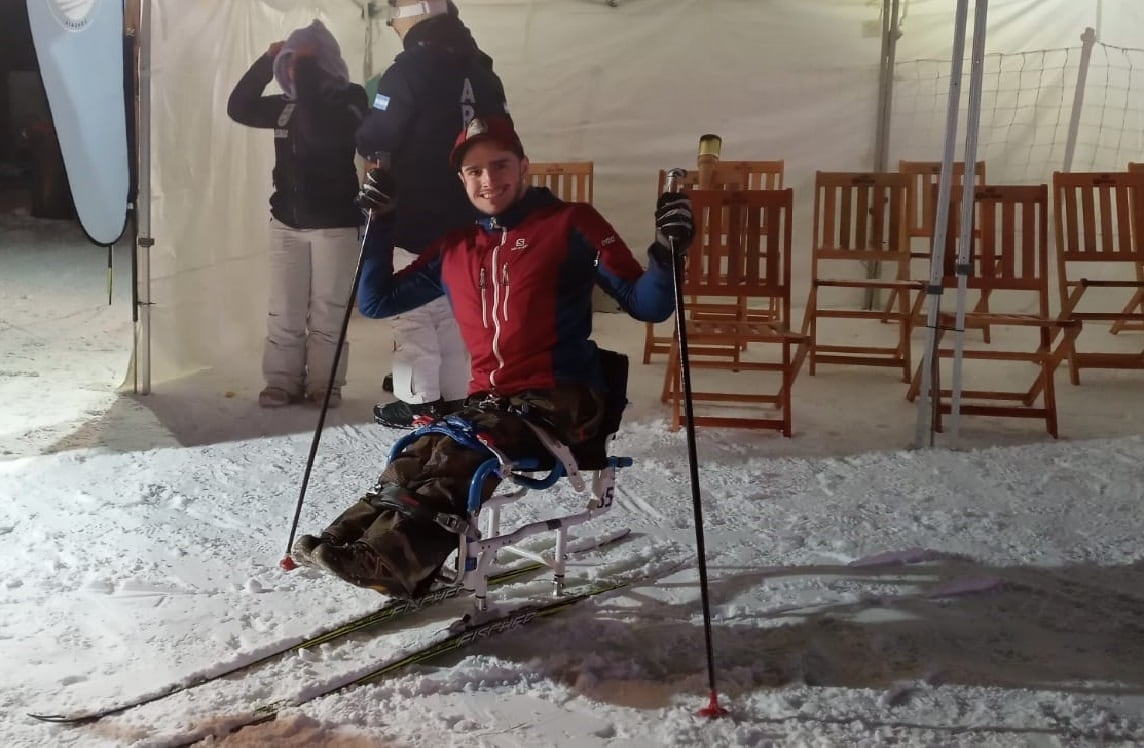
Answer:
(941, 227)
(890, 35)
(965, 243)
(143, 240)
(1088, 39)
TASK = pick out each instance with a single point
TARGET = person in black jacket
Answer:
(314, 223)
(439, 82)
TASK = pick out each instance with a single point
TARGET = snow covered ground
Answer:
(862, 593)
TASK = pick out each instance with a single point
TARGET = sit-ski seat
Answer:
(477, 546)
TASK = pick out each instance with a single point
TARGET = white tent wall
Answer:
(630, 88)
(210, 177)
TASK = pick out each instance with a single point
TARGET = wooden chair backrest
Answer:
(1099, 217)
(734, 175)
(921, 196)
(571, 181)
(859, 216)
(1011, 241)
(742, 245)
(1135, 167)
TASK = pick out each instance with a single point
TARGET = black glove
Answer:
(377, 192)
(674, 223)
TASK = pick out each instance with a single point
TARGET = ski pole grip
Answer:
(672, 177)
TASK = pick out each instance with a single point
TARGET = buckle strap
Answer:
(408, 504)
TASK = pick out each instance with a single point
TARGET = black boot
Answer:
(306, 545)
(362, 566)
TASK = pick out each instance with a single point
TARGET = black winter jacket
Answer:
(433, 88)
(315, 179)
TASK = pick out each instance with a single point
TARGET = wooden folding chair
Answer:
(728, 175)
(1100, 228)
(921, 197)
(1010, 255)
(571, 181)
(741, 250)
(859, 219)
(921, 212)
(1137, 302)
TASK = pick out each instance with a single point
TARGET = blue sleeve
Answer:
(390, 116)
(648, 298)
(381, 292)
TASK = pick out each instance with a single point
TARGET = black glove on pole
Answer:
(675, 224)
(377, 192)
(287, 563)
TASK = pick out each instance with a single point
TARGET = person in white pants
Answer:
(430, 362)
(311, 276)
(315, 226)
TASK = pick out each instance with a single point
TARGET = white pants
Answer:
(429, 359)
(311, 275)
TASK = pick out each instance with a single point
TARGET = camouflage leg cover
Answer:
(438, 471)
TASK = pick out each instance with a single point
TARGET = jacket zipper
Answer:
(504, 302)
(484, 302)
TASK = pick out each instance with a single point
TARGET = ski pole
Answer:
(287, 562)
(679, 261)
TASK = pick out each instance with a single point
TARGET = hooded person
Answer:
(314, 224)
(438, 83)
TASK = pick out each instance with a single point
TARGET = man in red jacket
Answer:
(520, 284)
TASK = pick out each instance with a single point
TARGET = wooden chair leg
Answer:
(668, 373)
(649, 341)
(1059, 352)
(672, 385)
(888, 309)
(935, 379)
(904, 330)
(982, 307)
(743, 313)
(1048, 375)
(1135, 306)
(1051, 360)
(916, 382)
(810, 328)
(788, 384)
(938, 426)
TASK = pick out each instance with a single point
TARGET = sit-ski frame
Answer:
(477, 548)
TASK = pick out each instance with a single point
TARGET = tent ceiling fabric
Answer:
(630, 87)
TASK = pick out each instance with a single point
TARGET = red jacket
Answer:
(520, 285)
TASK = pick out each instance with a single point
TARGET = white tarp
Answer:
(630, 88)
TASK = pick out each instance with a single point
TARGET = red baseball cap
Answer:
(496, 129)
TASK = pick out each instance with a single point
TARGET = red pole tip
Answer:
(713, 710)
(287, 563)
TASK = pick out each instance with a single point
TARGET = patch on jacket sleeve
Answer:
(381, 102)
(284, 115)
